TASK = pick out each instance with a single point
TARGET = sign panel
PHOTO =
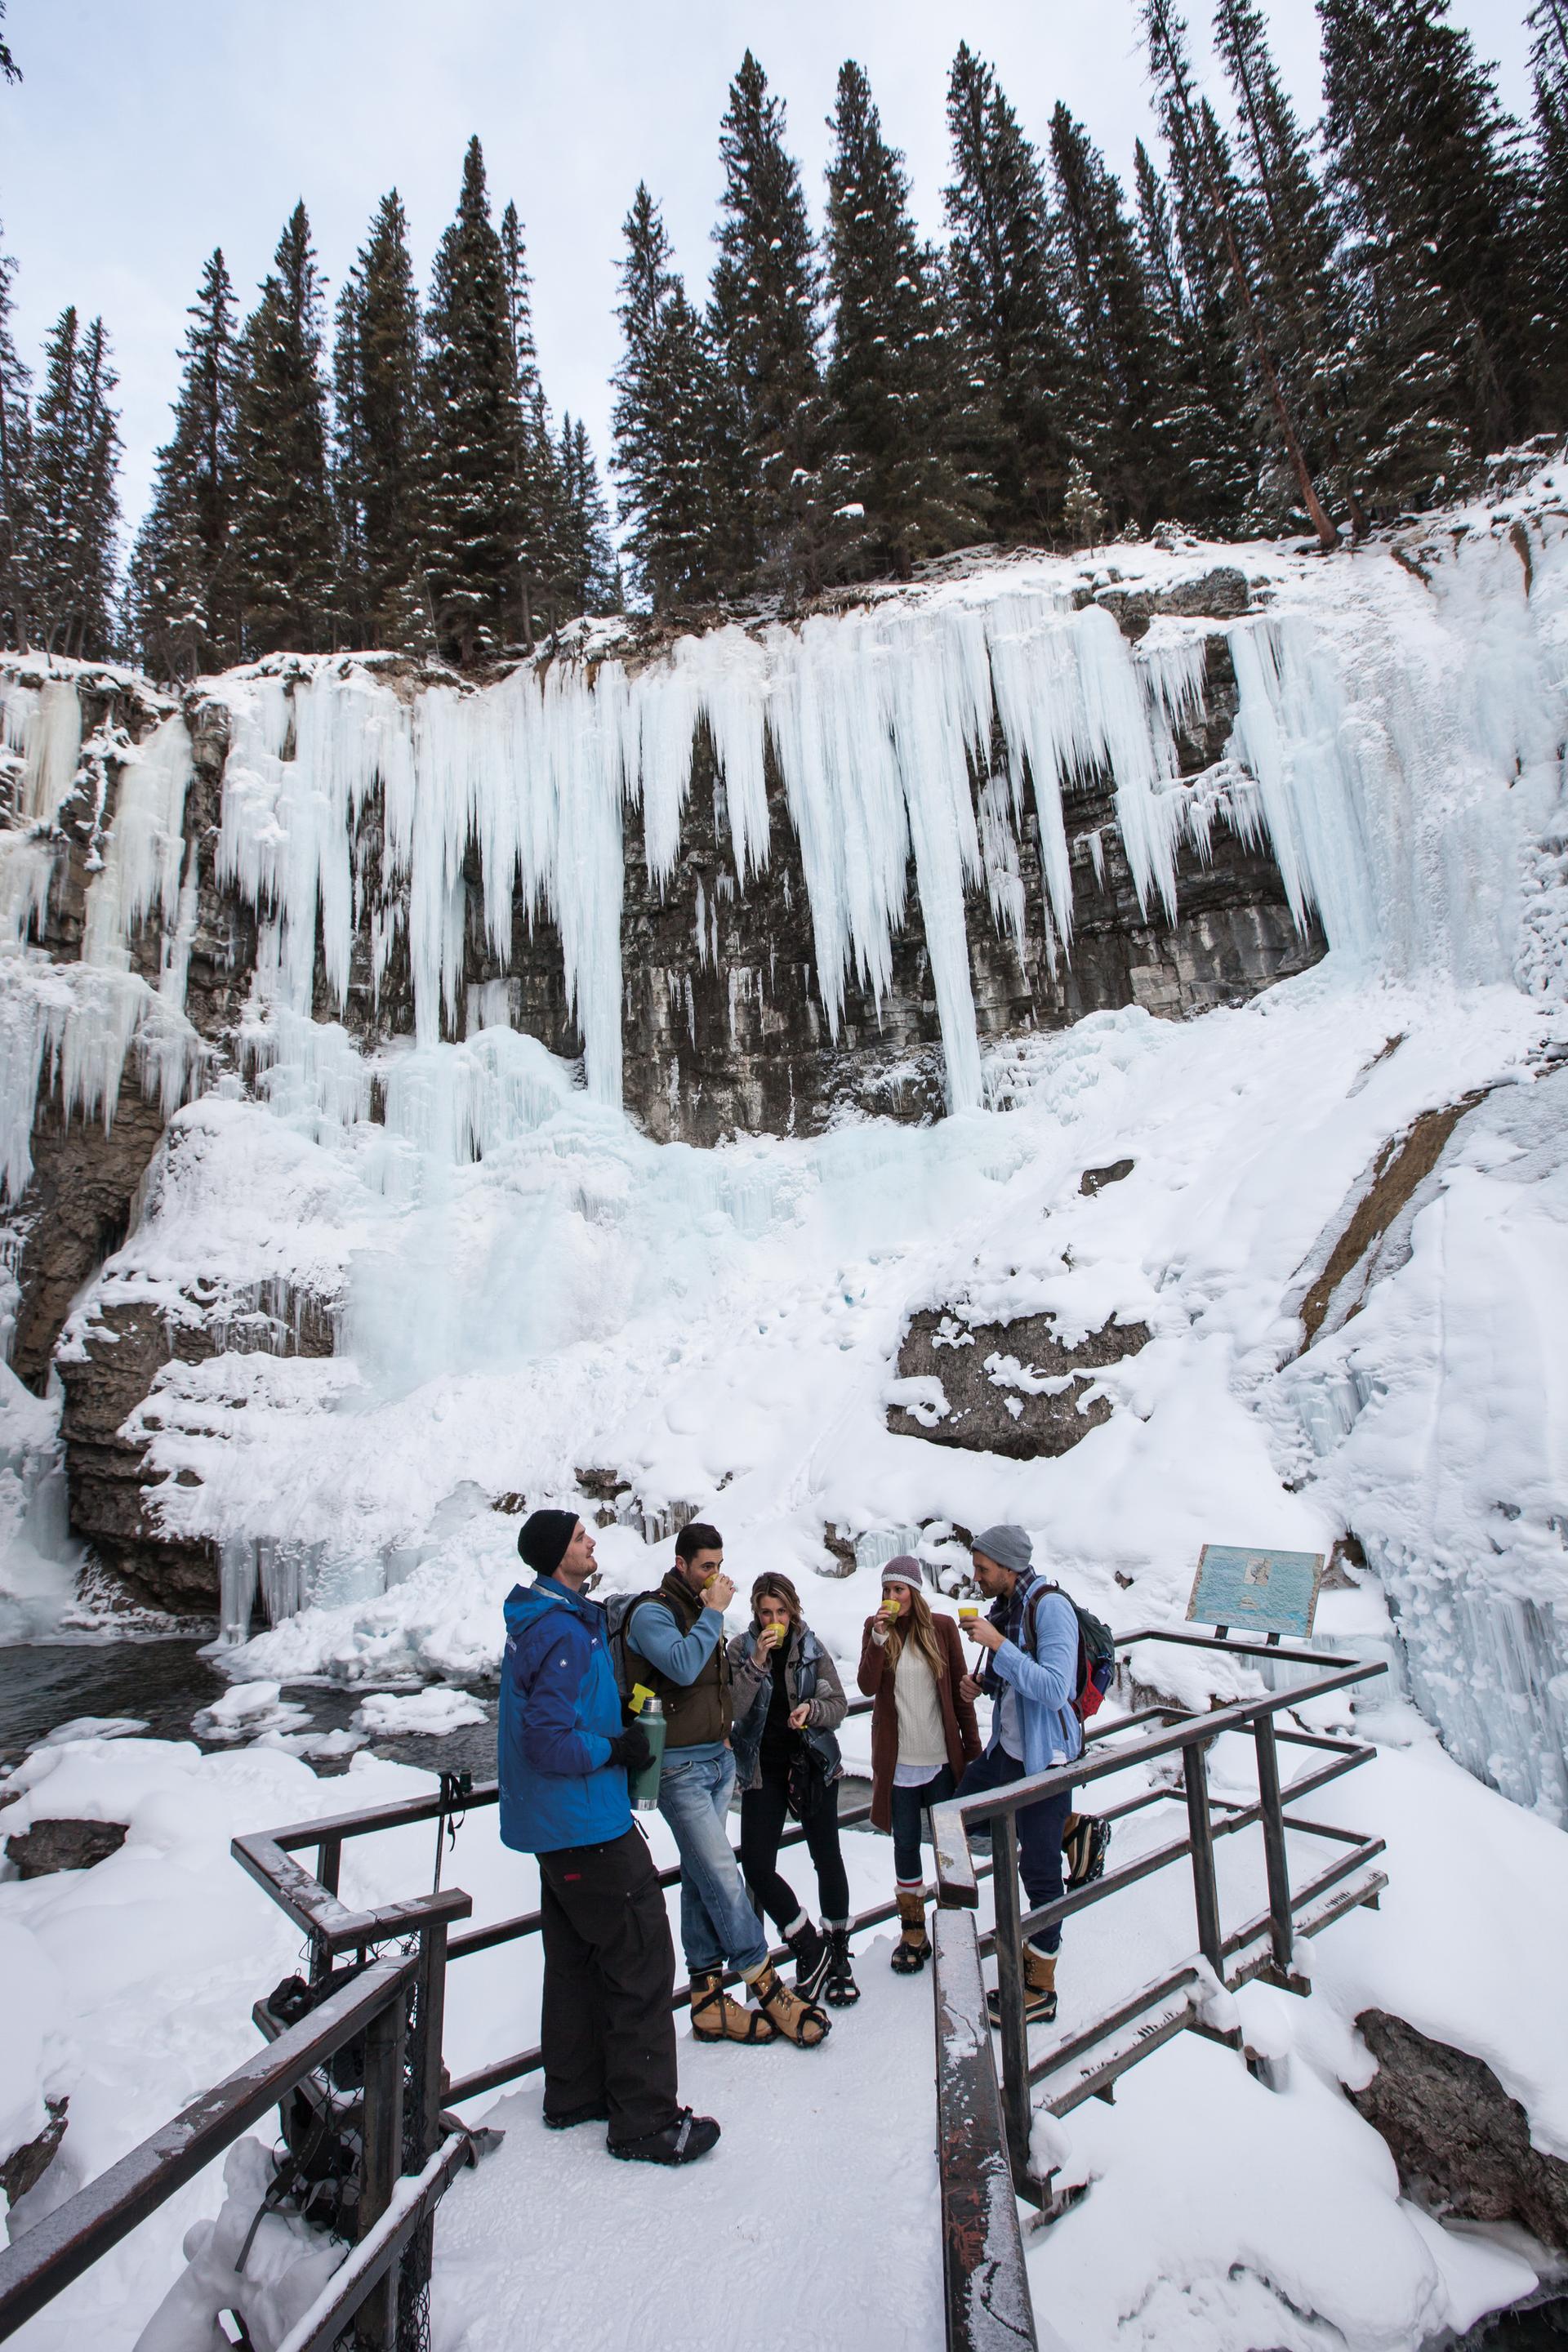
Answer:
(1255, 1590)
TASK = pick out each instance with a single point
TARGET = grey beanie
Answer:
(904, 1568)
(1009, 1546)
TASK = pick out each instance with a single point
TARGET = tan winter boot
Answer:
(912, 1950)
(800, 2021)
(716, 2018)
(1039, 1989)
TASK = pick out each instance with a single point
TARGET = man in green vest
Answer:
(674, 1641)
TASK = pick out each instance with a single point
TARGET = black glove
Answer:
(631, 1748)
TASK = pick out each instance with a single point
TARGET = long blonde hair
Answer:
(922, 1626)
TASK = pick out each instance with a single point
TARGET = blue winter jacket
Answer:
(1042, 1669)
(560, 1709)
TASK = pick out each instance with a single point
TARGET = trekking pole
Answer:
(456, 1788)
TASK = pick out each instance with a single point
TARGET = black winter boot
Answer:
(839, 1990)
(682, 2142)
(812, 1956)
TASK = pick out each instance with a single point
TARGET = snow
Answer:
(521, 1286)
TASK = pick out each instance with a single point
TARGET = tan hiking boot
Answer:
(1039, 1989)
(716, 2018)
(912, 1950)
(800, 2021)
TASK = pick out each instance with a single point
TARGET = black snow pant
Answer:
(608, 2032)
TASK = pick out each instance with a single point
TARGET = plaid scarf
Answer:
(1007, 1613)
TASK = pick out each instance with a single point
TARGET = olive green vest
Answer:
(695, 1713)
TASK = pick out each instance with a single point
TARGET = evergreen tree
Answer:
(1004, 269)
(761, 317)
(1211, 229)
(16, 551)
(9, 70)
(379, 471)
(896, 399)
(1433, 205)
(542, 492)
(74, 495)
(284, 526)
(1123, 363)
(475, 504)
(1288, 234)
(1201, 480)
(584, 568)
(675, 427)
(1548, 22)
(184, 599)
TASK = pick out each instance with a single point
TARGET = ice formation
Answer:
(522, 1285)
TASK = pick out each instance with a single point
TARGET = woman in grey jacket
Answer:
(788, 1703)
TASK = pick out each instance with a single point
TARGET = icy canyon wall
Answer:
(408, 948)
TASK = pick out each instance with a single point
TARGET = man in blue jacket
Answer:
(607, 2031)
(1031, 1679)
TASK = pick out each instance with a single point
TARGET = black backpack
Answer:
(1096, 1651)
(629, 1672)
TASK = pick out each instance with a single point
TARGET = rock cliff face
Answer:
(727, 1023)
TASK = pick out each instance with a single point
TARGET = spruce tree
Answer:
(9, 70)
(17, 549)
(542, 491)
(761, 317)
(585, 559)
(1549, 62)
(75, 496)
(475, 507)
(1430, 197)
(284, 527)
(676, 429)
(378, 469)
(1005, 273)
(895, 394)
(1211, 228)
(184, 599)
(1123, 364)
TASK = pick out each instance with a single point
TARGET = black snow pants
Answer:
(608, 2032)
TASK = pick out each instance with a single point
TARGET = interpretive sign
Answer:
(1256, 1591)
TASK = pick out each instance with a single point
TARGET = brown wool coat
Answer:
(957, 1713)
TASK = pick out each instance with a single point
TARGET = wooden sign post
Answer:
(1269, 1592)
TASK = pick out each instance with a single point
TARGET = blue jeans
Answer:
(909, 1825)
(719, 1928)
(1039, 1835)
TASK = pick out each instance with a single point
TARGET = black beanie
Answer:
(544, 1538)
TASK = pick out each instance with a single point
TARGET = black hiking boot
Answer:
(569, 2117)
(839, 1990)
(1084, 1842)
(812, 1956)
(682, 2142)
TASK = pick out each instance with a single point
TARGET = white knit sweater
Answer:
(923, 1734)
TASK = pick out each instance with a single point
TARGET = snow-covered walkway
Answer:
(815, 2222)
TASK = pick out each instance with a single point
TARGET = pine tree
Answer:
(475, 505)
(1548, 22)
(676, 427)
(542, 491)
(1005, 273)
(378, 460)
(584, 566)
(184, 602)
(1210, 223)
(895, 393)
(1431, 200)
(1286, 233)
(761, 317)
(284, 527)
(9, 70)
(75, 498)
(17, 549)
(1123, 367)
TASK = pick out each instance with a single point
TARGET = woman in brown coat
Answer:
(923, 1733)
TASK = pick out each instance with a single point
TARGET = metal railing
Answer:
(58, 2248)
(409, 2160)
(986, 2127)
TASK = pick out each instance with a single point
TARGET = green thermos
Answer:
(642, 1787)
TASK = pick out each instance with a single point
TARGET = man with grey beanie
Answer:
(1031, 1678)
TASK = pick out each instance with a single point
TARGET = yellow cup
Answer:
(968, 1611)
(890, 1605)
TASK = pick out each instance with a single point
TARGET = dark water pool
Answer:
(166, 1682)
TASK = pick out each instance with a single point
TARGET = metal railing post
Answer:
(1281, 1930)
(1200, 1833)
(375, 2327)
(1016, 2106)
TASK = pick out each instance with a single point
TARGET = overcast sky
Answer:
(146, 132)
